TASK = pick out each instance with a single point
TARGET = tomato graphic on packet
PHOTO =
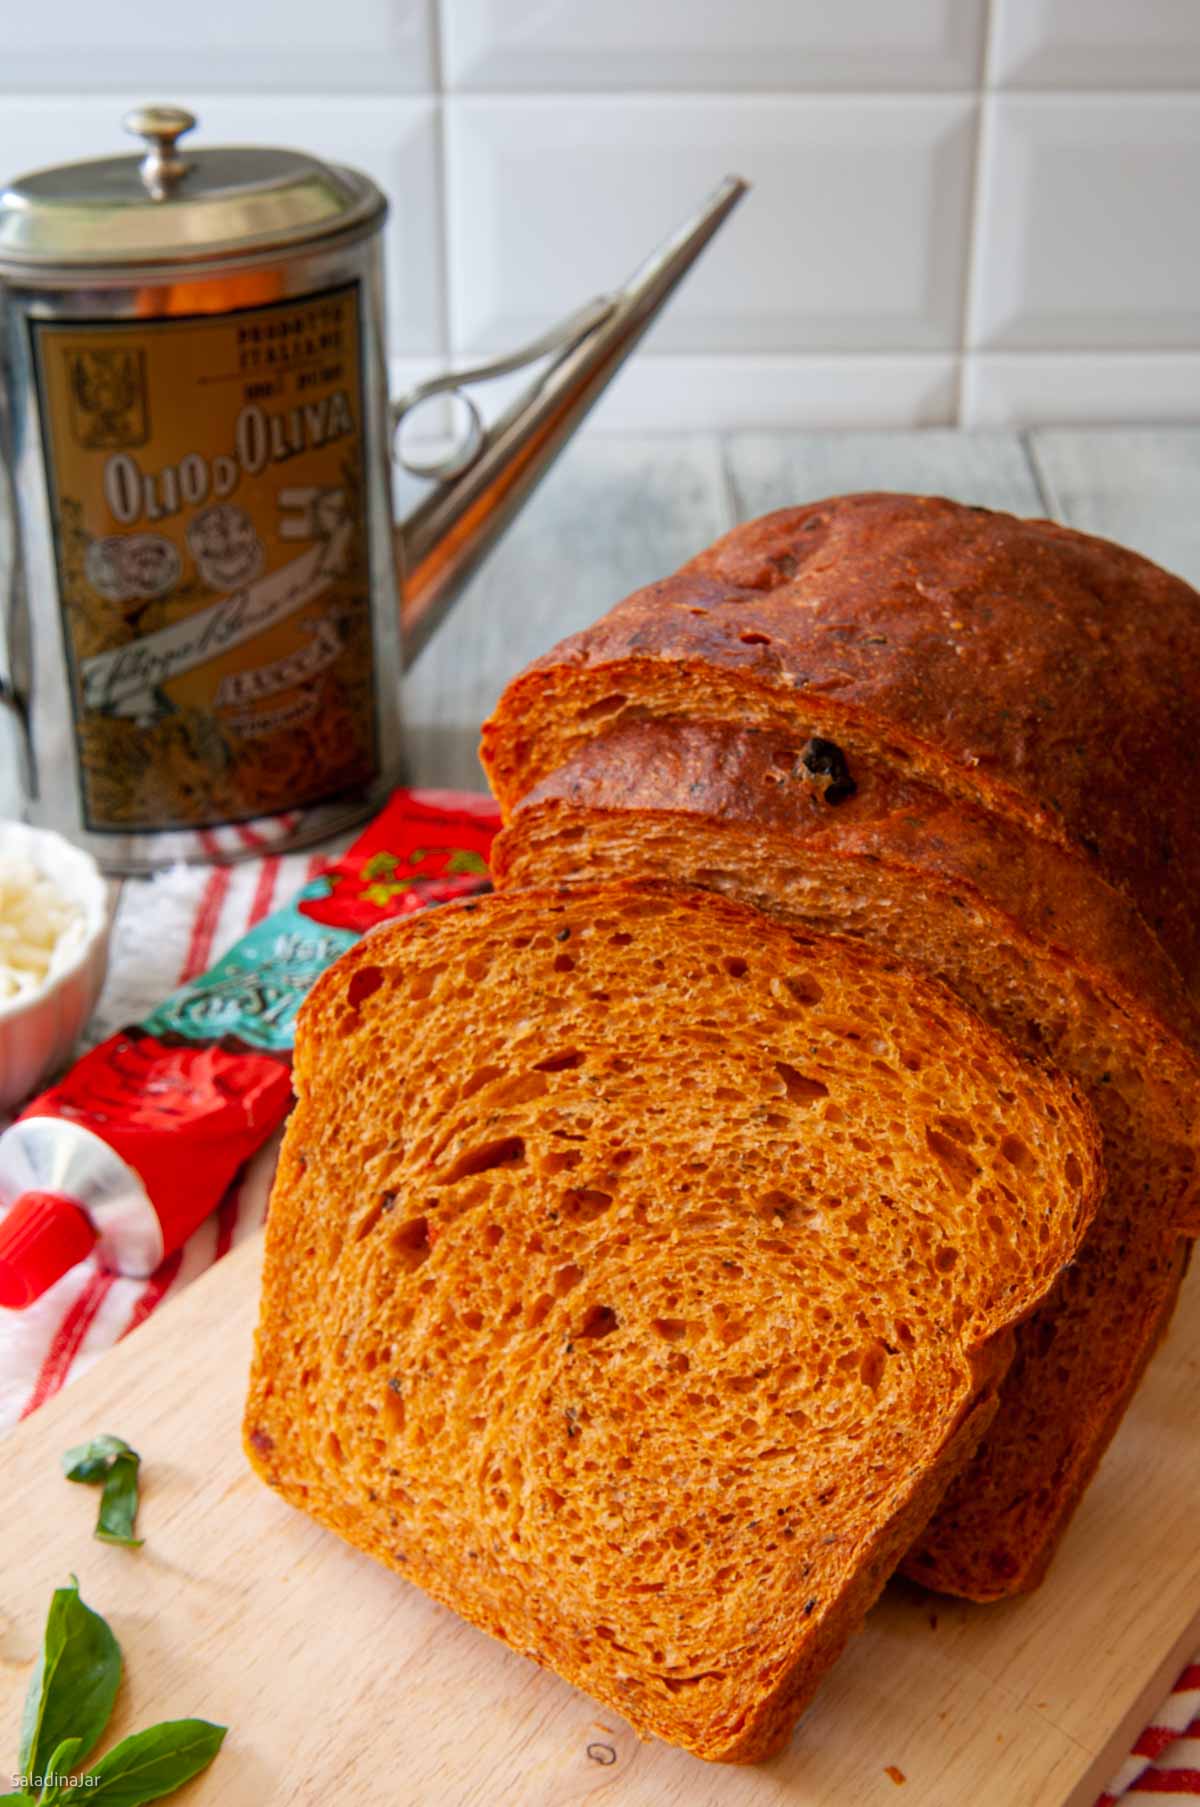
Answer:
(433, 854)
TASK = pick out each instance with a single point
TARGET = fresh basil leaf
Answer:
(149, 1764)
(119, 1503)
(111, 1460)
(58, 1771)
(72, 1689)
(90, 1461)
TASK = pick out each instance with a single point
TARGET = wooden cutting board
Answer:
(342, 1683)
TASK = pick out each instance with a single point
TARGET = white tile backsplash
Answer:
(1087, 225)
(975, 209)
(661, 393)
(251, 46)
(1095, 44)
(854, 235)
(724, 44)
(730, 392)
(1027, 389)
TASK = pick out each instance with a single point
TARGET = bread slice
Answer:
(1046, 676)
(638, 1274)
(972, 738)
(1059, 962)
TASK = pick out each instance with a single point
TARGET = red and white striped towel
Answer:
(1164, 1764)
(166, 930)
(169, 929)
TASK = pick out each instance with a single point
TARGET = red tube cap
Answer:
(43, 1236)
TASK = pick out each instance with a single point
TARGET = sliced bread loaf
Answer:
(1044, 675)
(973, 739)
(639, 1273)
(1061, 964)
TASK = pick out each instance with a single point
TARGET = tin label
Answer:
(208, 486)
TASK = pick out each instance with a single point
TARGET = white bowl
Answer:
(39, 1029)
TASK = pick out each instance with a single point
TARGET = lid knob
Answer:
(161, 167)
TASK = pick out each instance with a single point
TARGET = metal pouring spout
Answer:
(484, 484)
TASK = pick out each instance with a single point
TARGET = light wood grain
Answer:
(776, 470)
(342, 1683)
(1140, 486)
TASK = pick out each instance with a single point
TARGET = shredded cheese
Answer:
(36, 922)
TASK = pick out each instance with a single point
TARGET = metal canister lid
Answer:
(173, 205)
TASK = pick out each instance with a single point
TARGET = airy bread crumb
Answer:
(639, 1273)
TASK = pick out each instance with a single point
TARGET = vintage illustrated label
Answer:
(208, 483)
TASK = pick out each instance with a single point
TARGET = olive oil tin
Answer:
(202, 633)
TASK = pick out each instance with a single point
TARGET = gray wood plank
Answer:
(1138, 485)
(613, 514)
(778, 470)
(10, 782)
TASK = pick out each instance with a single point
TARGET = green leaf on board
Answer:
(119, 1504)
(74, 1683)
(58, 1770)
(110, 1460)
(90, 1461)
(149, 1764)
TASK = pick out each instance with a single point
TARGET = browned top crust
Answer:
(719, 773)
(1052, 675)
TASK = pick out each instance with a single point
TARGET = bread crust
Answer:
(967, 1548)
(718, 772)
(749, 825)
(1016, 712)
(391, 1098)
(1050, 677)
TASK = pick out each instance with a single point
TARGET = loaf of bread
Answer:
(972, 740)
(1046, 675)
(638, 1274)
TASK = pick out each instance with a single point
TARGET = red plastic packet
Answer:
(138, 1142)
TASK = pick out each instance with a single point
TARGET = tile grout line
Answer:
(982, 149)
(441, 209)
(437, 71)
(924, 92)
